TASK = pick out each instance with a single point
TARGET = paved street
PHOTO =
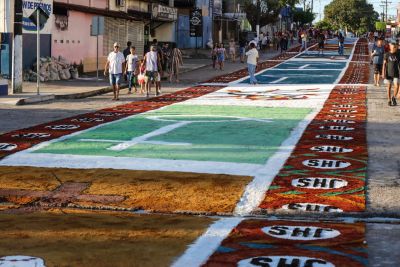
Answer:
(298, 170)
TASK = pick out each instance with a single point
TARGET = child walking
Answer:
(221, 54)
(130, 69)
(141, 71)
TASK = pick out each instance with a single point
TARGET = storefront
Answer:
(72, 40)
(163, 23)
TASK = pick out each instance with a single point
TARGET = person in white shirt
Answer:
(265, 42)
(114, 66)
(131, 69)
(252, 60)
(153, 66)
(304, 40)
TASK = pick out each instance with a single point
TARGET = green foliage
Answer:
(355, 15)
(303, 16)
(271, 16)
(380, 26)
(324, 25)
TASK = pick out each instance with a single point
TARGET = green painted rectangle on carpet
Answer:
(240, 134)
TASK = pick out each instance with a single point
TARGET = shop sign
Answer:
(196, 23)
(28, 7)
(164, 13)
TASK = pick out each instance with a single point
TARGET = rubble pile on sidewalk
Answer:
(52, 69)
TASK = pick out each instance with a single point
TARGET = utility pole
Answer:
(258, 18)
(386, 3)
(383, 12)
(16, 75)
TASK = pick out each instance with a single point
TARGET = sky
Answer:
(320, 4)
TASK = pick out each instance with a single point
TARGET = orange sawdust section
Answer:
(147, 190)
(99, 239)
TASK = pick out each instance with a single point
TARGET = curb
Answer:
(105, 90)
(35, 99)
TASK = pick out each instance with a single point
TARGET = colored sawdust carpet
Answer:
(101, 239)
(27, 189)
(183, 132)
(288, 243)
(301, 72)
(327, 169)
(19, 140)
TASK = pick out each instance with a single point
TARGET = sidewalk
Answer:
(192, 72)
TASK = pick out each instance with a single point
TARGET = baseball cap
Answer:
(116, 44)
(393, 41)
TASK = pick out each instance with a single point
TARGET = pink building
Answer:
(71, 33)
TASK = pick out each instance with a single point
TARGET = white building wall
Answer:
(165, 33)
(6, 11)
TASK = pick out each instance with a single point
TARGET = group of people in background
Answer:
(142, 71)
(385, 57)
(279, 41)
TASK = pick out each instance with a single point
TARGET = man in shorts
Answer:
(153, 66)
(391, 72)
(377, 54)
(114, 66)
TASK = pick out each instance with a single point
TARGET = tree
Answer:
(324, 25)
(303, 16)
(271, 16)
(354, 15)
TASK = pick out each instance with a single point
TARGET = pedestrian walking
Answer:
(321, 42)
(304, 40)
(175, 62)
(214, 52)
(278, 41)
(341, 44)
(221, 54)
(141, 76)
(391, 72)
(252, 60)
(242, 49)
(377, 56)
(153, 67)
(232, 50)
(114, 66)
(284, 43)
(131, 68)
(127, 50)
(265, 42)
(166, 54)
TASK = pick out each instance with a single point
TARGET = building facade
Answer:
(73, 19)
(68, 34)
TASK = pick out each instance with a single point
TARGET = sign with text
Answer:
(164, 13)
(28, 7)
(196, 23)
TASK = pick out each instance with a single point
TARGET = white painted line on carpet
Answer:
(279, 80)
(46, 160)
(255, 191)
(295, 69)
(199, 252)
(304, 66)
(347, 64)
